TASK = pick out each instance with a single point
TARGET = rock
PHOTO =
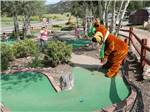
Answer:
(146, 72)
(28, 57)
(3, 108)
(147, 25)
(66, 82)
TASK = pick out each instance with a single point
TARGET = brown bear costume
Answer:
(115, 50)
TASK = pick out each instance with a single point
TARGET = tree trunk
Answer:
(122, 16)
(103, 11)
(113, 22)
(107, 3)
(26, 26)
(16, 26)
(119, 12)
(100, 11)
(90, 22)
(104, 14)
(77, 21)
(86, 23)
(93, 9)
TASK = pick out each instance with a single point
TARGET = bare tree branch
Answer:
(122, 16)
(113, 22)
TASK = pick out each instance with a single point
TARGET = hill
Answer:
(60, 7)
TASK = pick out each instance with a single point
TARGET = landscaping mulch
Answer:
(143, 85)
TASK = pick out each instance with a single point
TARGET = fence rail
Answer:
(144, 47)
(123, 35)
(138, 51)
(124, 30)
(139, 40)
(147, 48)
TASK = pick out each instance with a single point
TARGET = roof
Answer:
(136, 11)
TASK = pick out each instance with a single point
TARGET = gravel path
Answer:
(83, 59)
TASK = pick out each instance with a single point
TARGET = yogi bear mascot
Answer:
(112, 51)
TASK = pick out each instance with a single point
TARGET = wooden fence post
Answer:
(126, 41)
(130, 35)
(143, 53)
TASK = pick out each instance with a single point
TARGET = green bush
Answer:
(25, 48)
(13, 34)
(36, 63)
(30, 36)
(58, 26)
(35, 18)
(69, 28)
(53, 16)
(37, 60)
(57, 52)
(6, 56)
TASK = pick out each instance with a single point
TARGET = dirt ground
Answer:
(143, 86)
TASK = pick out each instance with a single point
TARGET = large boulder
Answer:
(147, 25)
(146, 72)
(66, 82)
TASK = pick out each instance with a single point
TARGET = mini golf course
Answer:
(31, 91)
(76, 43)
(9, 41)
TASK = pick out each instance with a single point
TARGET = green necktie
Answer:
(101, 53)
(92, 31)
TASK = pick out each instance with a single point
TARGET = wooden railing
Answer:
(143, 42)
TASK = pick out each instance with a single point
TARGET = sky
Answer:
(52, 1)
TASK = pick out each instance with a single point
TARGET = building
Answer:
(138, 17)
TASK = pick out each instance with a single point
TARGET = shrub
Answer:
(30, 36)
(57, 52)
(36, 63)
(37, 60)
(13, 34)
(35, 18)
(67, 28)
(58, 26)
(6, 56)
(54, 16)
(25, 48)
